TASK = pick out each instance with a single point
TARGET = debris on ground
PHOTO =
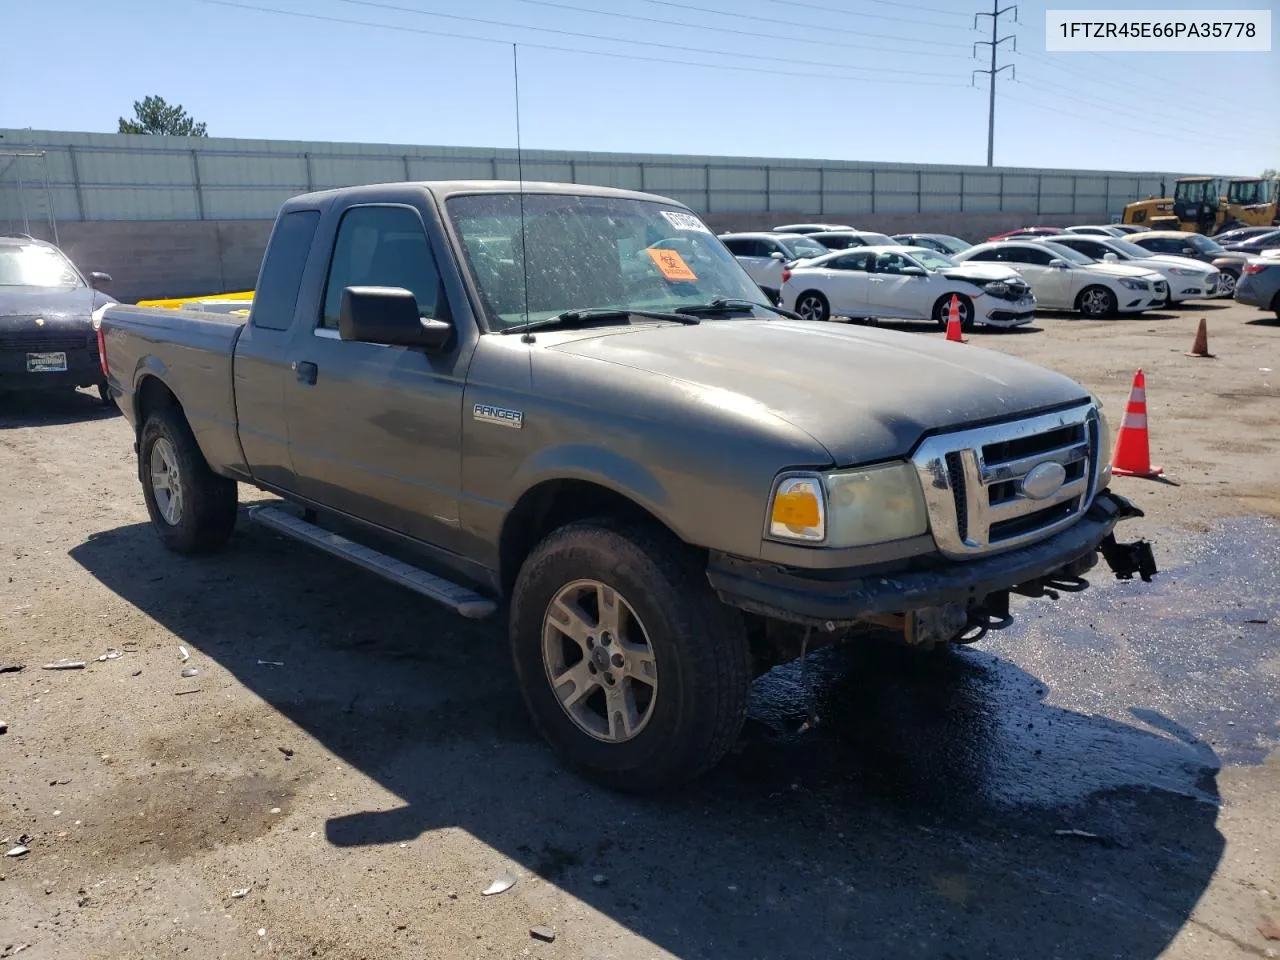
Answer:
(1269, 929)
(288, 754)
(11, 668)
(599, 879)
(270, 663)
(191, 672)
(4, 726)
(241, 893)
(545, 934)
(1086, 835)
(21, 850)
(15, 950)
(1258, 620)
(137, 673)
(183, 693)
(112, 654)
(64, 665)
(183, 655)
(501, 885)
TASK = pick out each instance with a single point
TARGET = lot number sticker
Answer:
(671, 264)
(685, 221)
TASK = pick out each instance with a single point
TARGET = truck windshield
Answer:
(30, 265)
(588, 252)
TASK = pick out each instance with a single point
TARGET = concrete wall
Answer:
(175, 258)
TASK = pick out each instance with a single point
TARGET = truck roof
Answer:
(443, 189)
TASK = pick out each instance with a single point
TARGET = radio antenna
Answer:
(524, 249)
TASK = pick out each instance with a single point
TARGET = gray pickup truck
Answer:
(573, 404)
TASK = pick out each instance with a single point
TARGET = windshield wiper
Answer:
(734, 305)
(568, 318)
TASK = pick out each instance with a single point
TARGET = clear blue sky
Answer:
(883, 80)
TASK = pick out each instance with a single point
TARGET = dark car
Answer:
(1198, 247)
(941, 242)
(1255, 244)
(1241, 234)
(47, 336)
(1260, 284)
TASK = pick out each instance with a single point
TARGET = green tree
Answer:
(1270, 173)
(153, 115)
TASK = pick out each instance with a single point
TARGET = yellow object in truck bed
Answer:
(175, 302)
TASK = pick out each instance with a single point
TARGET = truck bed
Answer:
(191, 352)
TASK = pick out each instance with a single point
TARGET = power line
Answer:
(701, 51)
(422, 31)
(993, 71)
(772, 37)
(1107, 82)
(1165, 83)
(915, 21)
(773, 21)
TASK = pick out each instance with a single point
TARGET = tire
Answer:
(1275, 305)
(1096, 302)
(201, 516)
(816, 305)
(1227, 285)
(668, 616)
(941, 309)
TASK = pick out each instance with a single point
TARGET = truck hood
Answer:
(864, 394)
(58, 307)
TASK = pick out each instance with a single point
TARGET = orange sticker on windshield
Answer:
(671, 264)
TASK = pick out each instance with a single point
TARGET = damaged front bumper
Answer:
(814, 598)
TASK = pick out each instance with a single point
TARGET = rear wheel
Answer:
(630, 666)
(942, 311)
(1096, 302)
(1227, 285)
(812, 305)
(193, 510)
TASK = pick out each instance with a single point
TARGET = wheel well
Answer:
(815, 292)
(152, 395)
(551, 505)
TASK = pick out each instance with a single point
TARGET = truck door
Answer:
(375, 431)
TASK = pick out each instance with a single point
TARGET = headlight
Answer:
(1183, 272)
(850, 508)
(1133, 284)
(1104, 447)
(997, 288)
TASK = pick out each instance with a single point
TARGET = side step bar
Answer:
(461, 600)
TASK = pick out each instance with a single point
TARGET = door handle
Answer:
(306, 371)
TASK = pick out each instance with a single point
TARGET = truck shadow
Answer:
(918, 818)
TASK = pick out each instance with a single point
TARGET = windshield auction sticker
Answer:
(685, 221)
(1157, 31)
(671, 264)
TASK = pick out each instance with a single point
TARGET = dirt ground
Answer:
(350, 767)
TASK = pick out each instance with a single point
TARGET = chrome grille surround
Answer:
(984, 509)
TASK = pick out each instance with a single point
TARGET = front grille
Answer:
(44, 342)
(976, 481)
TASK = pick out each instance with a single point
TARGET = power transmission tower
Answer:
(996, 13)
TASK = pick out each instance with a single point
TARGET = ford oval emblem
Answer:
(1044, 480)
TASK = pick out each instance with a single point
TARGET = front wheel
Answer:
(630, 666)
(1227, 284)
(813, 306)
(1096, 302)
(192, 509)
(942, 311)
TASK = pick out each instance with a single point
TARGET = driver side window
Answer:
(851, 261)
(891, 263)
(380, 247)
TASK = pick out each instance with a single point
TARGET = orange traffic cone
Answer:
(1201, 346)
(954, 333)
(1133, 449)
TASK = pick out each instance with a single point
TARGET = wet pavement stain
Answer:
(1126, 686)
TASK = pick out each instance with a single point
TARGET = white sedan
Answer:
(906, 283)
(1065, 280)
(1188, 279)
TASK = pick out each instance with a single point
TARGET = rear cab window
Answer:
(380, 246)
(277, 293)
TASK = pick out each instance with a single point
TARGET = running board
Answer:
(465, 602)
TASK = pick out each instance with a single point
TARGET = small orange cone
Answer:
(1201, 347)
(954, 332)
(1133, 447)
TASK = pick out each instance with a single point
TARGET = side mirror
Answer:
(1059, 264)
(389, 315)
(1110, 257)
(99, 280)
(778, 256)
(912, 272)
